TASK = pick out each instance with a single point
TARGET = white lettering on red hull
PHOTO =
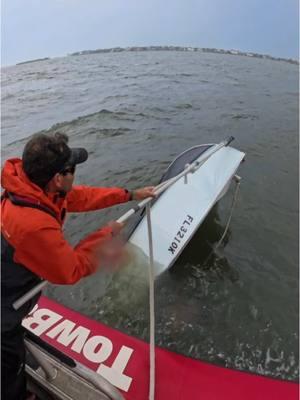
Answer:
(103, 345)
(67, 335)
(41, 320)
(95, 348)
(114, 374)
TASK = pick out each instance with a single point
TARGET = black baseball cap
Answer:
(78, 156)
(45, 155)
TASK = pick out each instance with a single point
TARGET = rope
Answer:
(151, 280)
(151, 306)
(234, 200)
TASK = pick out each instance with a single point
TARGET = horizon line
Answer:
(117, 49)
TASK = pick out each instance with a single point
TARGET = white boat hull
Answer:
(179, 211)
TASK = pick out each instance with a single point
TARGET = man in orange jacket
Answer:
(38, 192)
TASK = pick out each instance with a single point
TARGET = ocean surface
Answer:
(135, 112)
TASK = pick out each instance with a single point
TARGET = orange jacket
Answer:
(37, 237)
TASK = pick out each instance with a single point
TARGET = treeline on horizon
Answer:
(172, 48)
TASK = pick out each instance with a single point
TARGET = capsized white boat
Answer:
(181, 208)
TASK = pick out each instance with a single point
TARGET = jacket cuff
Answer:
(128, 194)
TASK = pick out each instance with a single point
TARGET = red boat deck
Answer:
(124, 361)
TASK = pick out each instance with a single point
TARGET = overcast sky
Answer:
(48, 28)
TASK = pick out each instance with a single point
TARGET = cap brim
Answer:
(78, 156)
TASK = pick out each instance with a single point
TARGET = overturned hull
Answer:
(180, 210)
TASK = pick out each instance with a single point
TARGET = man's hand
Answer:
(143, 193)
(116, 227)
(112, 254)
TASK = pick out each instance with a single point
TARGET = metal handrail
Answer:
(92, 377)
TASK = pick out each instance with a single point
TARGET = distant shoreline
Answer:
(32, 61)
(171, 48)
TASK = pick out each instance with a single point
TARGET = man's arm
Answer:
(86, 198)
(46, 253)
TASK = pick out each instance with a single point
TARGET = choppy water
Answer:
(135, 112)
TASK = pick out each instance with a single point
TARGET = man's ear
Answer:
(58, 180)
(56, 183)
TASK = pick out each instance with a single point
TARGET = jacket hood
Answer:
(14, 179)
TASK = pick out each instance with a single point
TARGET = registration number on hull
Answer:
(183, 229)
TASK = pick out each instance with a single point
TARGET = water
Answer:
(135, 112)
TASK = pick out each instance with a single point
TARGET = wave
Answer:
(8, 96)
(184, 106)
(244, 116)
(240, 116)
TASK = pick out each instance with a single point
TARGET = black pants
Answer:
(13, 381)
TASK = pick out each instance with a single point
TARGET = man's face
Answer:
(62, 181)
(67, 179)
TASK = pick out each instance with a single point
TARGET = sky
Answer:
(51, 28)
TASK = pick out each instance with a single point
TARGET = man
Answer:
(38, 192)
